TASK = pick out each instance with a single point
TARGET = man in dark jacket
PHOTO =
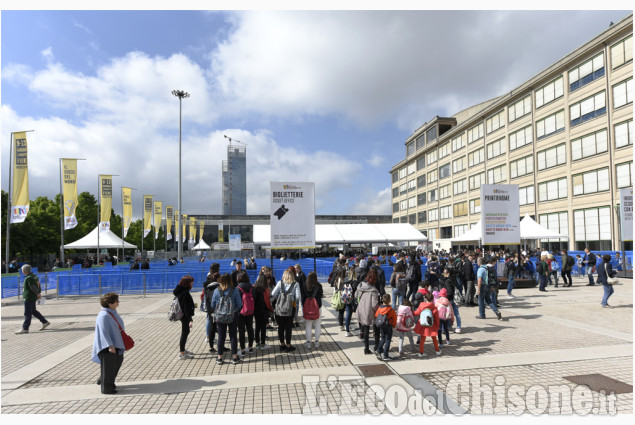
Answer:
(590, 261)
(31, 293)
(469, 279)
(380, 278)
(415, 272)
(145, 265)
(567, 266)
(234, 275)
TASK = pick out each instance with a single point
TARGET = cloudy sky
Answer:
(322, 96)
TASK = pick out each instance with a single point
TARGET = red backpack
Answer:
(248, 303)
(311, 309)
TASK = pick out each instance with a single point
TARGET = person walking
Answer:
(286, 293)
(312, 309)
(542, 268)
(484, 290)
(108, 346)
(262, 310)
(413, 274)
(368, 296)
(469, 278)
(32, 293)
(511, 265)
(226, 304)
(398, 283)
(389, 323)
(300, 277)
(346, 285)
(246, 316)
(405, 322)
(432, 330)
(553, 269)
(211, 284)
(567, 267)
(182, 293)
(447, 283)
(589, 261)
(605, 270)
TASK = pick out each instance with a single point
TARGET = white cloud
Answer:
(375, 161)
(374, 203)
(47, 54)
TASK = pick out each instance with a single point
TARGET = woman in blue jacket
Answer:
(225, 289)
(108, 347)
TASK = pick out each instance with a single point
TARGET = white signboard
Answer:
(500, 214)
(292, 215)
(234, 243)
(626, 213)
(220, 224)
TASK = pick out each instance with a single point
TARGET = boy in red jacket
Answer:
(385, 324)
(430, 331)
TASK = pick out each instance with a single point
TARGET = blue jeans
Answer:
(608, 291)
(455, 309)
(31, 310)
(459, 284)
(344, 316)
(485, 297)
(590, 273)
(384, 340)
(397, 295)
(510, 284)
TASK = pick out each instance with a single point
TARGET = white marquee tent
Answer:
(202, 246)
(529, 229)
(351, 233)
(106, 240)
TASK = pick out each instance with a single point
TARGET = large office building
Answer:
(235, 181)
(565, 137)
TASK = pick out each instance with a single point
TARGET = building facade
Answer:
(565, 137)
(234, 171)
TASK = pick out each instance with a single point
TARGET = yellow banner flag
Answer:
(158, 210)
(69, 191)
(192, 230)
(220, 231)
(147, 214)
(201, 227)
(184, 221)
(105, 190)
(169, 215)
(177, 222)
(126, 196)
(20, 196)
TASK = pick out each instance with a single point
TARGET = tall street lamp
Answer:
(180, 94)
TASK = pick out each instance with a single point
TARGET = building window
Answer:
(622, 52)
(459, 187)
(433, 215)
(412, 185)
(420, 141)
(550, 92)
(412, 168)
(458, 143)
(558, 222)
(412, 202)
(526, 195)
(495, 122)
(403, 173)
(521, 138)
(623, 93)
(475, 133)
(421, 162)
(432, 157)
(412, 219)
(459, 230)
(475, 206)
(432, 176)
(403, 188)
(458, 165)
(460, 209)
(588, 108)
(395, 177)
(444, 191)
(422, 217)
(624, 134)
(421, 180)
(519, 109)
(552, 124)
(592, 224)
(403, 205)
(477, 180)
(444, 171)
(395, 192)
(432, 195)
(395, 220)
(403, 219)
(444, 150)
(587, 72)
(552, 157)
(591, 182)
(624, 174)
(521, 167)
(497, 175)
(421, 198)
(475, 157)
(446, 232)
(552, 190)
(431, 134)
(496, 148)
(410, 148)
(589, 145)
(395, 207)
(445, 212)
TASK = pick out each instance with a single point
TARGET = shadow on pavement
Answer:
(172, 386)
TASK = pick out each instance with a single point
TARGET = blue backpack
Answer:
(555, 266)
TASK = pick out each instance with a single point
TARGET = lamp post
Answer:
(180, 94)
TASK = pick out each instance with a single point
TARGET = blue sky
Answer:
(324, 96)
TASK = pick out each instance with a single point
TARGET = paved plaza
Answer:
(513, 366)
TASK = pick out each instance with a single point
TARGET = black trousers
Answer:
(211, 328)
(110, 364)
(285, 325)
(470, 292)
(222, 329)
(365, 331)
(261, 327)
(566, 275)
(412, 290)
(246, 323)
(185, 331)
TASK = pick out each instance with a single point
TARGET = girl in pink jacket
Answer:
(446, 316)
(405, 322)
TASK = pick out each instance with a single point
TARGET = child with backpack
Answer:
(286, 293)
(428, 323)
(446, 316)
(385, 320)
(345, 287)
(262, 310)
(312, 309)
(405, 322)
(246, 316)
(226, 304)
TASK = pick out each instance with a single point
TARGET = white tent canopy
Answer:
(351, 233)
(529, 229)
(472, 235)
(106, 240)
(201, 246)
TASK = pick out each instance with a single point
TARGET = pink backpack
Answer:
(248, 303)
(445, 312)
(311, 309)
